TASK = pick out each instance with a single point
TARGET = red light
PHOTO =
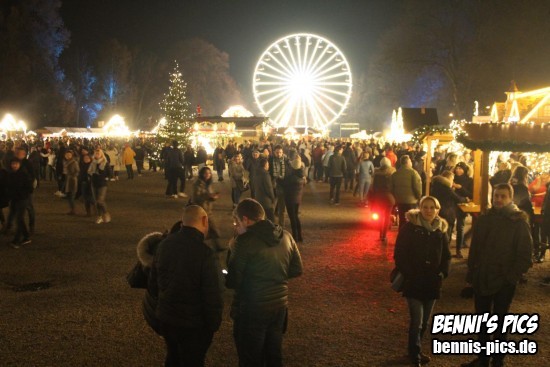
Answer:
(375, 216)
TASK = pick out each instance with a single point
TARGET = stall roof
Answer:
(506, 137)
(240, 122)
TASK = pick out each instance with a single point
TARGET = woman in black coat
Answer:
(293, 188)
(442, 190)
(422, 255)
(464, 186)
(263, 189)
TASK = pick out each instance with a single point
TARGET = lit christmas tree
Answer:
(176, 111)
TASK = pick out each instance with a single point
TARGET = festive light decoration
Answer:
(116, 127)
(420, 133)
(176, 110)
(302, 80)
(9, 124)
(397, 132)
(237, 111)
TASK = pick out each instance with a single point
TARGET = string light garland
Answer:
(420, 134)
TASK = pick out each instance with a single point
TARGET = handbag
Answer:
(396, 279)
(137, 277)
(241, 185)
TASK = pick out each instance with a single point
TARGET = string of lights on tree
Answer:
(177, 112)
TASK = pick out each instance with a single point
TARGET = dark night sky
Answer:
(242, 28)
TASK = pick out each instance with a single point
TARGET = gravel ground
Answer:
(342, 311)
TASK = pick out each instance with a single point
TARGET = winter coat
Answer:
(406, 185)
(4, 199)
(501, 177)
(203, 195)
(202, 156)
(467, 184)
(337, 166)
(366, 170)
(441, 189)
(140, 153)
(294, 186)
(115, 161)
(146, 250)
(128, 156)
(173, 158)
(500, 251)
(98, 172)
(263, 189)
(522, 198)
(19, 184)
(189, 281)
(351, 160)
(237, 172)
(71, 182)
(262, 261)
(381, 187)
(422, 256)
(218, 159)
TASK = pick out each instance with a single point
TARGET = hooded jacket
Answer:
(500, 251)
(262, 261)
(423, 256)
(146, 250)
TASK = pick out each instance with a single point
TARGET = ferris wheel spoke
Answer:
(284, 93)
(290, 65)
(319, 112)
(292, 55)
(332, 91)
(332, 76)
(314, 112)
(282, 72)
(299, 53)
(286, 67)
(312, 57)
(284, 113)
(271, 83)
(273, 76)
(319, 68)
(313, 66)
(324, 104)
(337, 84)
(341, 104)
(327, 70)
(284, 99)
(304, 61)
(269, 91)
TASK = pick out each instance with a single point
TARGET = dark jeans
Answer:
(403, 209)
(292, 210)
(235, 195)
(220, 174)
(172, 175)
(460, 218)
(12, 215)
(495, 304)
(335, 183)
(189, 172)
(349, 179)
(18, 207)
(280, 204)
(259, 337)
(419, 312)
(185, 347)
(318, 171)
(384, 217)
(139, 165)
(130, 171)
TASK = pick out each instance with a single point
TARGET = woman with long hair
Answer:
(423, 257)
(99, 171)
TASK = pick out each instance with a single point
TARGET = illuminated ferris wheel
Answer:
(302, 80)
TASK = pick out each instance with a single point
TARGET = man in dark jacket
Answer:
(351, 165)
(279, 169)
(190, 288)
(263, 258)
(252, 166)
(500, 253)
(263, 189)
(337, 168)
(19, 188)
(174, 169)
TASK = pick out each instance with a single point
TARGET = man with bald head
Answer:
(190, 286)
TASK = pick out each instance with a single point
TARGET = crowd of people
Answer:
(388, 179)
